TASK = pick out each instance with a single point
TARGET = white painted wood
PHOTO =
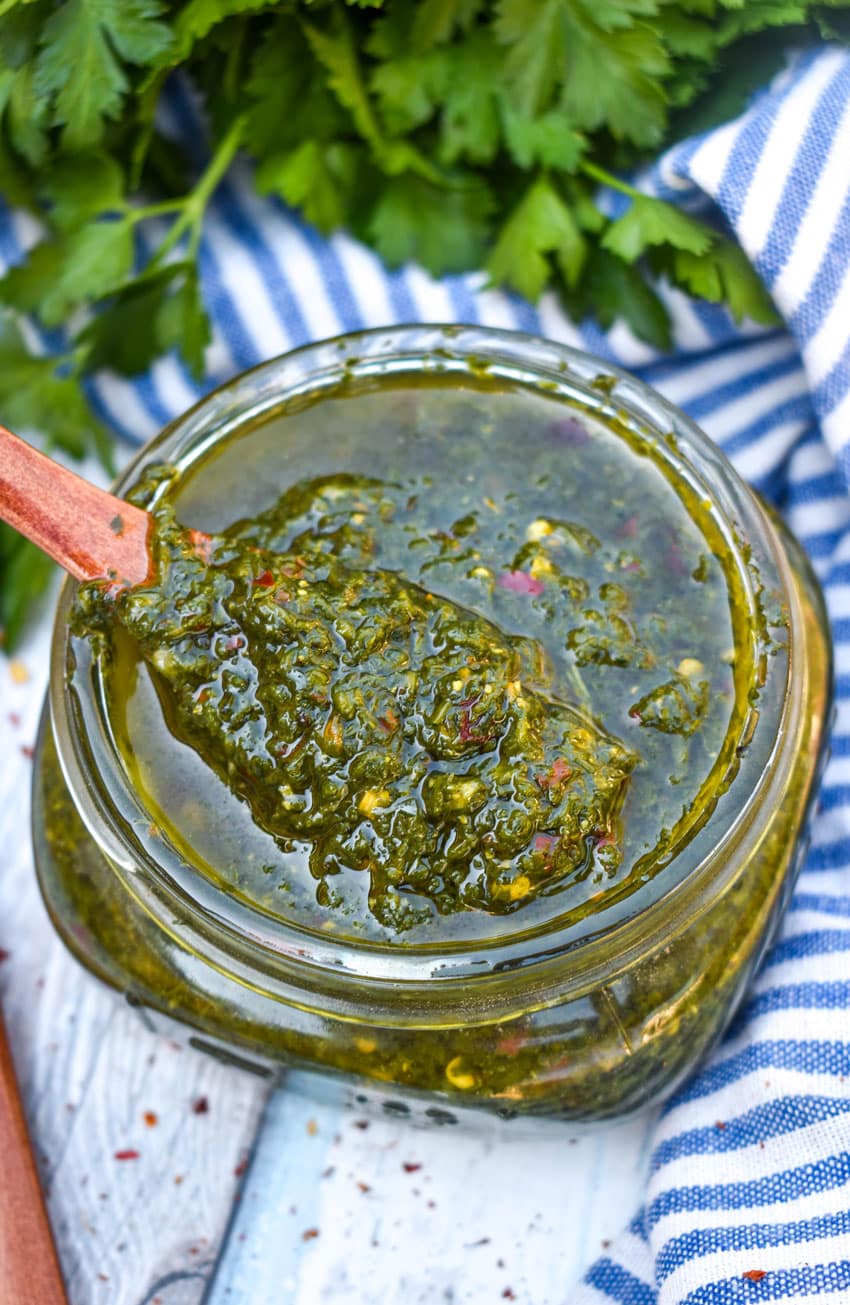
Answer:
(331, 1216)
(134, 1230)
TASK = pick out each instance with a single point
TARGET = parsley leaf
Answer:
(81, 186)
(25, 572)
(94, 260)
(725, 274)
(198, 18)
(182, 322)
(540, 225)
(614, 289)
(459, 133)
(41, 394)
(315, 177)
(80, 63)
(445, 230)
(653, 222)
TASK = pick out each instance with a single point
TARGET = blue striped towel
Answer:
(758, 1209)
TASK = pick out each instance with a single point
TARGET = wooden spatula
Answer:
(91, 533)
(29, 1267)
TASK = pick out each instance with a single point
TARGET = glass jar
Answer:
(581, 1016)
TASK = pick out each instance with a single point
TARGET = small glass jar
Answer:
(579, 1020)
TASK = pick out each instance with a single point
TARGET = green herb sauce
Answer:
(459, 654)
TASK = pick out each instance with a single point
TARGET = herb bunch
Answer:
(459, 133)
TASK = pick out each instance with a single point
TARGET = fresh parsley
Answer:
(459, 133)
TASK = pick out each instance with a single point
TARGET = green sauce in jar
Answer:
(276, 800)
(480, 661)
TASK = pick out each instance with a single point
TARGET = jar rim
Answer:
(245, 942)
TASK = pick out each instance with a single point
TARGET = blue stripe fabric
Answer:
(749, 1186)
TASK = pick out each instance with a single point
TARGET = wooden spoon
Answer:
(29, 1266)
(93, 535)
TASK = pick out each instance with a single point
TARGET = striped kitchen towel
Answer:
(758, 1209)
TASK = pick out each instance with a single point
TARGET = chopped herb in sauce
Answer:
(436, 690)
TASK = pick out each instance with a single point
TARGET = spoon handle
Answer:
(29, 1266)
(89, 532)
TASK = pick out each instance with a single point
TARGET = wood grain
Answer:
(29, 1269)
(89, 532)
(131, 1231)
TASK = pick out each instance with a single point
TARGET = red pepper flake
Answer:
(28, 751)
(754, 1275)
(512, 1044)
(309, 1234)
(719, 1124)
(361, 1123)
(200, 1106)
(467, 734)
(129, 1154)
(364, 1187)
(178, 1179)
(520, 582)
(14, 720)
(410, 1168)
(234, 643)
(265, 580)
(151, 1118)
(202, 544)
(241, 1167)
(629, 528)
(4, 955)
(559, 772)
(508, 1294)
(544, 842)
(630, 566)
(103, 1277)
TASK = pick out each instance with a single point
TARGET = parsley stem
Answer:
(608, 179)
(162, 209)
(194, 205)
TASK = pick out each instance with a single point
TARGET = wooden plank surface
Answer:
(335, 1213)
(182, 1222)
(97, 1085)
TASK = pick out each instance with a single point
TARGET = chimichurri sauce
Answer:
(453, 653)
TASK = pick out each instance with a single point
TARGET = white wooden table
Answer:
(235, 1196)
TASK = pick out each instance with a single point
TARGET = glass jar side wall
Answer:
(622, 1046)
